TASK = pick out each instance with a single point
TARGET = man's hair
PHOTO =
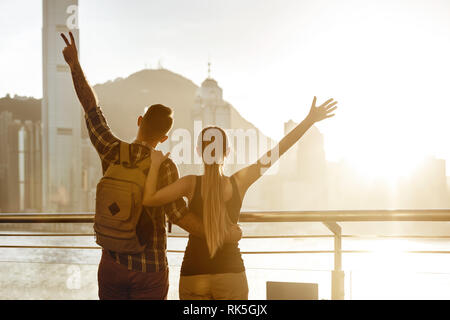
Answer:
(156, 122)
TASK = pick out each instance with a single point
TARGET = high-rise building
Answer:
(61, 113)
(302, 177)
(20, 164)
(210, 108)
(9, 173)
(31, 144)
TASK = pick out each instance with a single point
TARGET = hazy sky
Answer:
(387, 63)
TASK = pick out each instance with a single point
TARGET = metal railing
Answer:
(330, 219)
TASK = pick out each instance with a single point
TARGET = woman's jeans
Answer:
(222, 286)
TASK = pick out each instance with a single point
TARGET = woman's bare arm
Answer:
(178, 189)
(182, 187)
(248, 175)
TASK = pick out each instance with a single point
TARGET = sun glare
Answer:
(389, 169)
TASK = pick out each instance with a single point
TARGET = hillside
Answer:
(124, 99)
(22, 108)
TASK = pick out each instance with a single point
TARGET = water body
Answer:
(385, 273)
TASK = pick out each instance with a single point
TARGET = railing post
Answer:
(337, 275)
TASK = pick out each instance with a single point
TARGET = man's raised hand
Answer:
(323, 111)
(83, 89)
(70, 51)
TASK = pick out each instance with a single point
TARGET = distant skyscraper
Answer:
(210, 107)
(302, 172)
(61, 114)
(9, 170)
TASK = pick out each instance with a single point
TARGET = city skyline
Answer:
(307, 180)
(361, 199)
(374, 65)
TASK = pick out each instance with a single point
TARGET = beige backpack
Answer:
(119, 203)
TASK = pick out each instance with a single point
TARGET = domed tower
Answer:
(209, 105)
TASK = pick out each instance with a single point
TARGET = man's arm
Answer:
(101, 136)
(190, 223)
(83, 89)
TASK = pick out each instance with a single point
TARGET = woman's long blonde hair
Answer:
(216, 222)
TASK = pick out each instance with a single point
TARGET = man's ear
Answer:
(139, 121)
(163, 139)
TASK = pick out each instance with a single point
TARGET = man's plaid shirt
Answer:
(152, 226)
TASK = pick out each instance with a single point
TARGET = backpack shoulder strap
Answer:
(144, 164)
(124, 154)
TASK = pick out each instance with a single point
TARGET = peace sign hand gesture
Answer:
(70, 51)
(323, 111)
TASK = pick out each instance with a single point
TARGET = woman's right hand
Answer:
(321, 112)
(158, 157)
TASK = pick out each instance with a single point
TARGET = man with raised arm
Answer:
(143, 275)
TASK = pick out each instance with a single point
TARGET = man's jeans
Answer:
(116, 282)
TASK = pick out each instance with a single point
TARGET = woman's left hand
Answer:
(158, 157)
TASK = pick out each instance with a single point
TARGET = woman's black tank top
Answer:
(228, 257)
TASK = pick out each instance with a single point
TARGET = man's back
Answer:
(152, 225)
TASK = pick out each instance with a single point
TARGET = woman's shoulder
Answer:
(190, 178)
(191, 184)
(237, 180)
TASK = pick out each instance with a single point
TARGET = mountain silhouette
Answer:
(124, 99)
(22, 108)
